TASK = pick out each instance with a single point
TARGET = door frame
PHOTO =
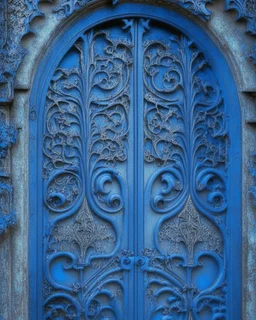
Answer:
(43, 75)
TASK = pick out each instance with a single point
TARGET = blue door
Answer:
(135, 193)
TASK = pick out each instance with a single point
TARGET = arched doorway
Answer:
(136, 163)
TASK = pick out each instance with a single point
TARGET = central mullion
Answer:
(139, 168)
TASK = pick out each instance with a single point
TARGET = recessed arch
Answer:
(198, 195)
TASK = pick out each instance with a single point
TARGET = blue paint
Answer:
(137, 171)
(12, 53)
(196, 7)
(8, 136)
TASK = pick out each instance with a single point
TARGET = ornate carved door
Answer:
(136, 173)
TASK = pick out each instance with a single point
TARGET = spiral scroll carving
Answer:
(135, 176)
(186, 142)
(184, 116)
(85, 148)
(190, 246)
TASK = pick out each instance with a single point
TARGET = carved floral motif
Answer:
(186, 142)
(191, 229)
(85, 142)
(83, 233)
(90, 154)
(185, 130)
(21, 12)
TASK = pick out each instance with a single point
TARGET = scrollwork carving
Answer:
(85, 158)
(172, 185)
(214, 182)
(184, 120)
(186, 142)
(108, 200)
(70, 245)
(22, 12)
(62, 141)
(109, 104)
(189, 243)
(191, 229)
(93, 153)
(63, 191)
(61, 306)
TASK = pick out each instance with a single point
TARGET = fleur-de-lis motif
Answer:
(83, 233)
(191, 229)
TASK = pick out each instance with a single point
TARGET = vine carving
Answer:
(186, 141)
(135, 178)
(22, 12)
(85, 156)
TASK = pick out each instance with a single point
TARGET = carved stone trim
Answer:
(246, 9)
(197, 7)
(16, 15)
(7, 137)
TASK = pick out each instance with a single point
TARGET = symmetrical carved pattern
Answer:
(197, 7)
(83, 233)
(84, 145)
(15, 17)
(132, 102)
(191, 239)
(186, 142)
(188, 228)
(176, 290)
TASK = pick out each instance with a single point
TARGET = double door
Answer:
(135, 173)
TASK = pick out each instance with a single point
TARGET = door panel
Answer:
(136, 169)
(85, 167)
(185, 167)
